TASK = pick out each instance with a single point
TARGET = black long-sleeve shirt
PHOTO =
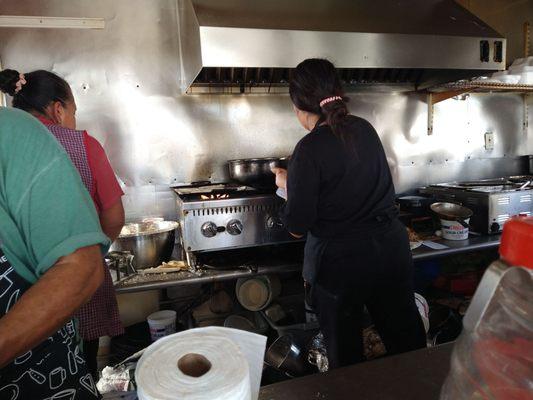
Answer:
(337, 188)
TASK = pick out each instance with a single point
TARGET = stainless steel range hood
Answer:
(258, 42)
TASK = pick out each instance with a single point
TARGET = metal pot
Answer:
(287, 354)
(531, 165)
(414, 204)
(151, 242)
(256, 171)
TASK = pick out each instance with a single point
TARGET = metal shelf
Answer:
(479, 87)
(139, 283)
(440, 93)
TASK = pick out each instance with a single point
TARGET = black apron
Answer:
(315, 246)
(55, 369)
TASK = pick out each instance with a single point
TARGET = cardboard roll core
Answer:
(195, 365)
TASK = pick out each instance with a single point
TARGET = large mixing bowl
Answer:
(151, 243)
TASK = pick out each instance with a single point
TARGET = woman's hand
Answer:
(281, 177)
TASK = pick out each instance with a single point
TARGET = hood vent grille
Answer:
(281, 76)
(407, 78)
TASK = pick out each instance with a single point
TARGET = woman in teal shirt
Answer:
(50, 263)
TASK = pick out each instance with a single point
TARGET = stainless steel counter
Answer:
(139, 282)
(473, 243)
(416, 375)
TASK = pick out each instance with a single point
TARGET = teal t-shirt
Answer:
(45, 210)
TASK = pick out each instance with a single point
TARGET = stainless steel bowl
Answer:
(151, 242)
(255, 171)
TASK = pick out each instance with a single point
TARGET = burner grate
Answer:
(217, 192)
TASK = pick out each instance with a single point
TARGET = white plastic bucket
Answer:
(162, 323)
(454, 230)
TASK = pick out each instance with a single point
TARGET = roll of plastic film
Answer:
(199, 364)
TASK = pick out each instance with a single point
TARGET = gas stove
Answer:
(229, 216)
(493, 201)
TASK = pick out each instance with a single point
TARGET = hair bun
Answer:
(8, 81)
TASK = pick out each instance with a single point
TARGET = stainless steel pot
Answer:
(414, 204)
(287, 354)
(151, 242)
(256, 171)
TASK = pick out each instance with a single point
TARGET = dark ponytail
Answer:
(313, 81)
(41, 89)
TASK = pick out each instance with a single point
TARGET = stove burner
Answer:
(217, 191)
(513, 183)
(217, 196)
(493, 201)
(227, 216)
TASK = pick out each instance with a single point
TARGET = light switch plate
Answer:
(489, 141)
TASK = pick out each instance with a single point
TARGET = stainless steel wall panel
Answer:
(528, 119)
(126, 82)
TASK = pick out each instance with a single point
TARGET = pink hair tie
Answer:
(329, 100)
(21, 82)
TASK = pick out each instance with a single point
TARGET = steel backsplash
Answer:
(125, 81)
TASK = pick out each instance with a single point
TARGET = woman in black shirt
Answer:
(341, 195)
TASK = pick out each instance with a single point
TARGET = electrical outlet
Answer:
(489, 141)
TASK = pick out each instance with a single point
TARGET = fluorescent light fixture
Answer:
(16, 21)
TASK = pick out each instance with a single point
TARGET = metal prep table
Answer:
(473, 243)
(136, 284)
(417, 375)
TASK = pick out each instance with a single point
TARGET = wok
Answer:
(452, 212)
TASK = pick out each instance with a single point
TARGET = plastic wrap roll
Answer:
(200, 364)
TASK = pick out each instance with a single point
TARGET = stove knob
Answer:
(209, 229)
(274, 223)
(495, 227)
(234, 227)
